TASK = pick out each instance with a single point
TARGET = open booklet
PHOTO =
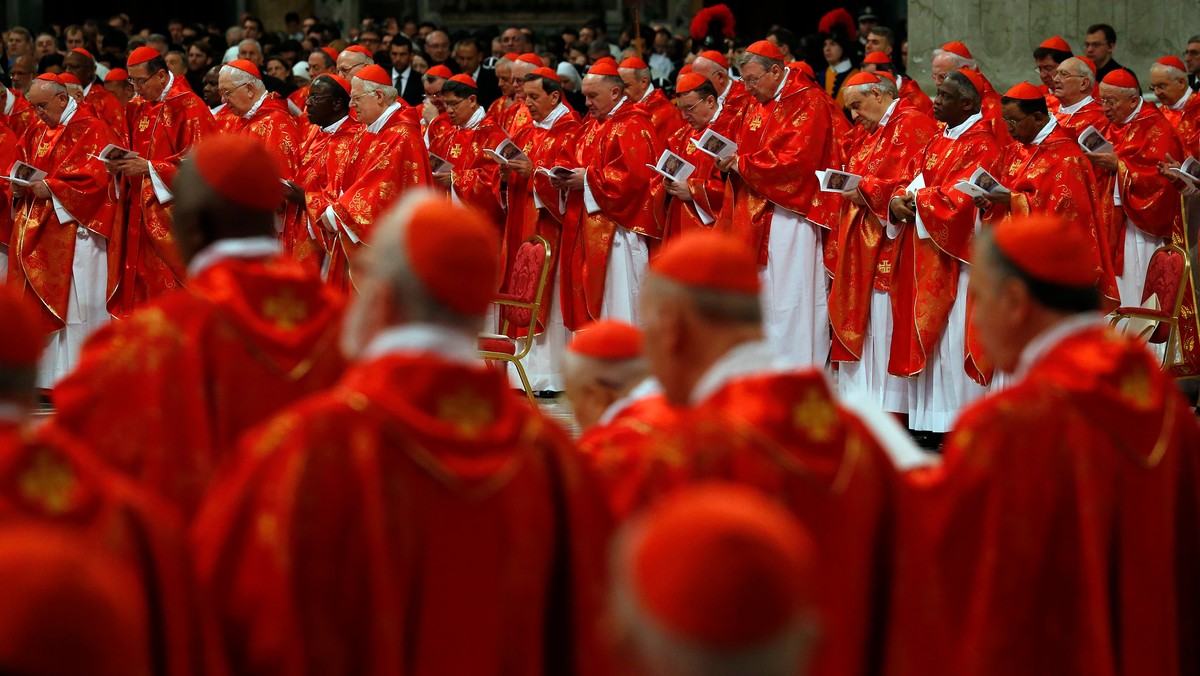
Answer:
(1189, 171)
(716, 145)
(832, 180)
(981, 183)
(25, 174)
(439, 165)
(1092, 141)
(114, 153)
(557, 172)
(673, 167)
(505, 152)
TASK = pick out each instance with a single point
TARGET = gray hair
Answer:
(618, 375)
(54, 86)
(240, 77)
(956, 60)
(608, 80)
(1170, 71)
(251, 41)
(885, 87)
(763, 61)
(713, 306)
(389, 92)
(1081, 69)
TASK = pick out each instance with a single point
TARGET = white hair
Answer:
(1081, 69)
(956, 60)
(239, 77)
(1171, 72)
(522, 68)
(639, 73)
(370, 87)
(618, 375)
(885, 86)
(250, 41)
(55, 87)
(1123, 91)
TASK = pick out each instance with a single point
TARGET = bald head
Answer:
(1073, 81)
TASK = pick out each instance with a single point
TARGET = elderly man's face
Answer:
(47, 105)
(368, 105)
(1116, 105)
(437, 46)
(539, 102)
(349, 63)
(1168, 90)
(251, 52)
(697, 110)
(941, 66)
(760, 81)
(241, 98)
(600, 95)
(81, 67)
(867, 109)
(22, 74)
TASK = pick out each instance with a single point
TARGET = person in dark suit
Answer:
(468, 53)
(408, 81)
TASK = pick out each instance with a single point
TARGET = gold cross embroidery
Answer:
(49, 483)
(286, 310)
(755, 123)
(1135, 388)
(456, 150)
(467, 411)
(815, 415)
(145, 122)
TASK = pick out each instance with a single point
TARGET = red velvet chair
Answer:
(518, 308)
(1167, 276)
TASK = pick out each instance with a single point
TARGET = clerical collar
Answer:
(68, 112)
(1141, 102)
(234, 247)
(716, 113)
(728, 86)
(899, 82)
(554, 116)
(616, 108)
(887, 116)
(1050, 126)
(218, 109)
(88, 89)
(647, 388)
(1048, 339)
(645, 96)
(476, 118)
(166, 90)
(779, 91)
(332, 129)
(1183, 99)
(257, 104)
(955, 132)
(419, 338)
(842, 67)
(1074, 107)
(375, 126)
(753, 357)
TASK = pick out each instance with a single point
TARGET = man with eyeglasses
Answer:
(1074, 82)
(1099, 44)
(224, 119)
(389, 161)
(474, 178)
(1191, 57)
(1178, 103)
(63, 227)
(164, 124)
(326, 158)
(784, 139)
(353, 59)
(1047, 58)
(954, 56)
(731, 93)
(433, 113)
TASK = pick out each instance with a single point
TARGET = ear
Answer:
(1016, 301)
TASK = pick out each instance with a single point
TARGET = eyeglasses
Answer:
(313, 98)
(451, 105)
(1109, 102)
(752, 81)
(355, 98)
(689, 109)
(1045, 70)
(1064, 75)
(141, 81)
(228, 93)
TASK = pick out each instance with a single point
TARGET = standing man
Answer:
(116, 82)
(1178, 103)
(475, 177)
(59, 251)
(1074, 82)
(437, 48)
(79, 62)
(1047, 58)
(784, 139)
(406, 80)
(665, 116)
(469, 57)
(1099, 44)
(731, 93)
(164, 124)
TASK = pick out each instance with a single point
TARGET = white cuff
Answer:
(537, 201)
(160, 189)
(338, 225)
(588, 200)
(705, 218)
(64, 216)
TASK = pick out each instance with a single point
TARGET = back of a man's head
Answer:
(602, 364)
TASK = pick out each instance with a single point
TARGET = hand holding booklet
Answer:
(25, 174)
(115, 153)
(557, 172)
(832, 180)
(1189, 171)
(981, 183)
(673, 167)
(505, 152)
(1093, 141)
(716, 145)
(439, 165)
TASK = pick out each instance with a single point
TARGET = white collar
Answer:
(375, 126)
(398, 74)
(716, 113)
(645, 96)
(170, 81)
(750, 358)
(955, 132)
(1050, 126)
(418, 338)
(235, 247)
(554, 116)
(218, 109)
(887, 116)
(88, 89)
(647, 388)
(1074, 107)
(842, 66)
(779, 92)
(68, 112)
(728, 86)
(1183, 100)
(899, 81)
(1141, 102)
(9, 100)
(616, 108)
(336, 125)
(1046, 340)
(257, 104)
(476, 118)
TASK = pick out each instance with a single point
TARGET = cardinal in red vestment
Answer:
(954, 56)
(731, 93)
(610, 209)
(50, 480)
(472, 177)
(516, 117)
(60, 248)
(80, 63)
(1055, 536)
(860, 310)
(785, 138)
(435, 118)
(910, 91)
(1074, 85)
(418, 507)
(253, 332)
(504, 79)
(756, 420)
(11, 150)
(116, 82)
(663, 114)
(1177, 101)
(1047, 58)
(225, 121)
(164, 124)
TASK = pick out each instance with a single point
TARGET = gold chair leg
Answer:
(525, 382)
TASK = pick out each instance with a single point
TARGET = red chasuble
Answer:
(1060, 534)
(50, 479)
(226, 121)
(739, 102)
(21, 119)
(665, 117)
(706, 185)
(200, 367)
(618, 450)
(11, 150)
(911, 91)
(495, 111)
(325, 164)
(415, 519)
(1187, 122)
(546, 148)
(42, 247)
(110, 110)
(863, 257)
(161, 132)
(515, 118)
(615, 153)
(782, 143)
(476, 177)
(274, 124)
(785, 435)
(1089, 115)
(925, 273)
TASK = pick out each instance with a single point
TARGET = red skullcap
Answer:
(608, 339)
(604, 67)
(530, 57)
(1048, 249)
(546, 73)
(634, 63)
(884, 73)
(975, 77)
(512, 56)
(65, 79)
(337, 80)
(466, 80)
(142, 55)
(241, 169)
(246, 67)
(687, 68)
(83, 52)
(802, 67)
(1121, 78)
(1089, 63)
(454, 251)
(48, 77)
(1056, 43)
(877, 58)
(766, 50)
(439, 71)
(1173, 61)
(716, 57)
(330, 52)
(709, 260)
(689, 82)
(359, 49)
(22, 340)
(861, 79)
(721, 565)
(375, 73)
(1025, 92)
(117, 75)
(958, 49)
